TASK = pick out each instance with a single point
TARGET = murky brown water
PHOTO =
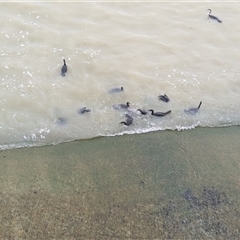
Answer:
(148, 48)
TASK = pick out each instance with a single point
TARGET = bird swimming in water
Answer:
(83, 110)
(64, 68)
(164, 98)
(124, 106)
(128, 121)
(143, 112)
(61, 121)
(193, 110)
(114, 90)
(159, 114)
(213, 17)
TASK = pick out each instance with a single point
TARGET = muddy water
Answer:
(149, 49)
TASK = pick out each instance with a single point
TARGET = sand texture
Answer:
(160, 185)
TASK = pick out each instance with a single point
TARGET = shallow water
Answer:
(147, 48)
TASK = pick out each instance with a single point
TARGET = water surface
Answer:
(148, 48)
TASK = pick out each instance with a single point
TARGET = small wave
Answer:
(126, 132)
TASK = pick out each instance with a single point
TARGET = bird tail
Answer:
(169, 111)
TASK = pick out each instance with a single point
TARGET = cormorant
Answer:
(124, 106)
(143, 112)
(128, 121)
(213, 17)
(164, 98)
(114, 90)
(193, 110)
(159, 114)
(83, 110)
(64, 68)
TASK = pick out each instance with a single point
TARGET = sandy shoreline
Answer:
(158, 185)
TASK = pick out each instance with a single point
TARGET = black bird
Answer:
(83, 110)
(64, 68)
(124, 106)
(193, 110)
(128, 121)
(213, 17)
(61, 121)
(114, 90)
(159, 114)
(164, 98)
(143, 112)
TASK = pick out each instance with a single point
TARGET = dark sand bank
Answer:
(160, 185)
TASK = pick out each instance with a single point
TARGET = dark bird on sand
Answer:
(83, 110)
(124, 106)
(143, 112)
(64, 68)
(159, 114)
(164, 98)
(213, 17)
(128, 121)
(193, 110)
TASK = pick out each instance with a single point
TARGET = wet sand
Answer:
(160, 185)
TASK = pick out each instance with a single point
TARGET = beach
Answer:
(70, 174)
(159, 185)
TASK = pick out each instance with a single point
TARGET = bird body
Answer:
(64, 68)
(115, 90)
(61, 121)
(164, 98)
(193, 110)
(213, 17)
(83, 110)
(128, 121)
(123, 106)
(159, 114)
(143, 112)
